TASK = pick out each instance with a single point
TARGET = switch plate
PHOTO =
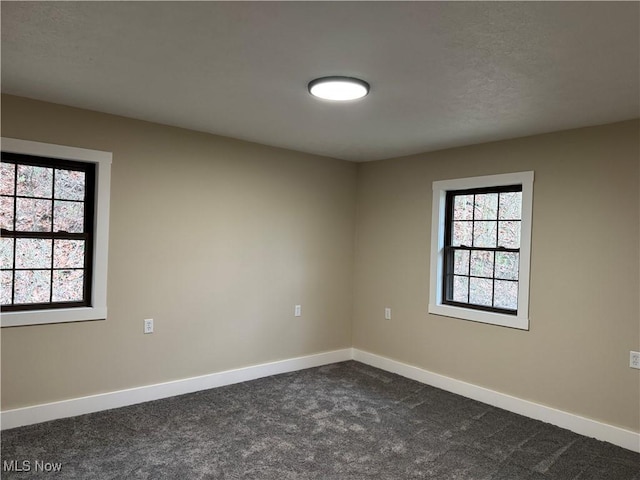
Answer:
(634, 359)
(148, 325)
(387, 313)
(297, 311)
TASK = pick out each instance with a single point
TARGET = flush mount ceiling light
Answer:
(338, 88)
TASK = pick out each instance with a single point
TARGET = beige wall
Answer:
(215, 239)
(584, 272)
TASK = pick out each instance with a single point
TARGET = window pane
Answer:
(6, 252)
(482, 264)
(511, 206)
(7, 177)
(484, 234)
(35, 181)
(68, 217)
(461, 262)
(33, 253)
(462, 234)
(506, 295)
(509, 234)
(507, 264)
(32, 286)
(460, 289)
(68, 285)
(480, 291)
(69, 185)
(68, 254)
(6, 213)
(33, 215)
(463, 207)
(6, 279)
(486, 206)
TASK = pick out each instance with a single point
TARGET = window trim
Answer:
(98, 308)
(436, 305)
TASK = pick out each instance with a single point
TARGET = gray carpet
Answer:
(345, 421)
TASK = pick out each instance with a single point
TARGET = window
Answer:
(482, 248)
(54, 219)
(47, 232)
(481, 237)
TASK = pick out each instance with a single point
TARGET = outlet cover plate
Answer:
(634, 359)
(148, 325)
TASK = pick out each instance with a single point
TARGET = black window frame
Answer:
(450, 249)
(87, 235)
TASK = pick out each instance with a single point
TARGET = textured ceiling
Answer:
(442, 74)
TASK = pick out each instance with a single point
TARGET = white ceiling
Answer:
(442, 74)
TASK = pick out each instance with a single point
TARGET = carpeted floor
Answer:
(345, 421)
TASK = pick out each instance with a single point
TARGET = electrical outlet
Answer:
(148, 325)
(297, 311)
(634, 359)
(387, 313)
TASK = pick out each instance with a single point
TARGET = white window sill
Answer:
(58, 315)
(501, 319)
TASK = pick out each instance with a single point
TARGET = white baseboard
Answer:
(94, 403)
(79, 406)
(582, 425)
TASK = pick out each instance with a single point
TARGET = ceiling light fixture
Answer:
(338, 88)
